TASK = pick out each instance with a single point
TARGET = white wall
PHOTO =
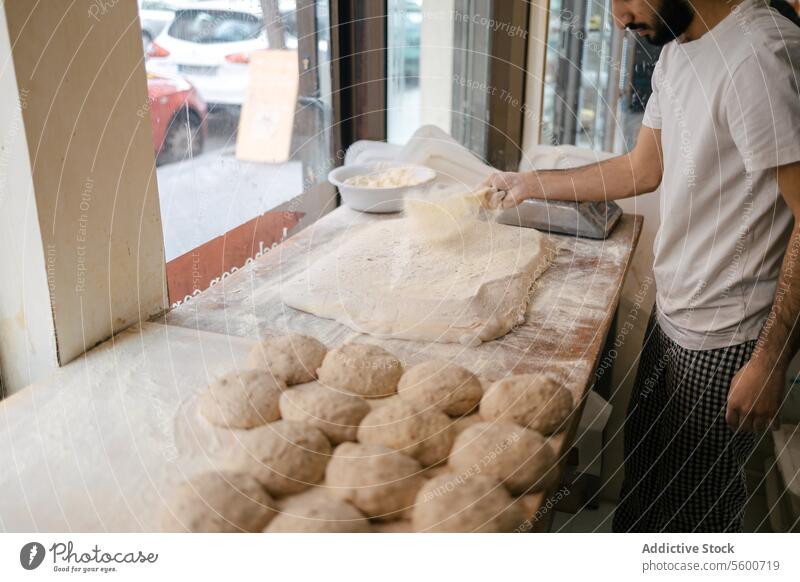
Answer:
(27, 334)
(90, 183)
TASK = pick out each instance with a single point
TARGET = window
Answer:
(597, 78)
(458, 64)
(240, 110)
(404, 104)
(214, 26)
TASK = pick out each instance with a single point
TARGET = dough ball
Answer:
(518, 457)
(453, 503)
(319, 515)
(379, 481)
(447, 386)
(242, 399)
(531, 400)
(219, 502)
(459, 425)
(362, 369)
(286, 457)
(422, 434)
(335, 413)
(291, 358)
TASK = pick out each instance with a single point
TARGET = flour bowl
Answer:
(381, 186)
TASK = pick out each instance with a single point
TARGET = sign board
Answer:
(267, 119)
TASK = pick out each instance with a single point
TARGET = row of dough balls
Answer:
(381, 476)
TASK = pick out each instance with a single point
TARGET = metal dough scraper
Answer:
(586, 219)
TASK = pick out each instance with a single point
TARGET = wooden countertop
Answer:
(99, 445)
(567, 322)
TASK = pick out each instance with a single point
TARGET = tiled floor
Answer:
(599, 520)
(586, 521)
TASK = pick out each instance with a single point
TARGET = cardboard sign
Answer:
(267, 118)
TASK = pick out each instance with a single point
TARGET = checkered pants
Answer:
(684, 467)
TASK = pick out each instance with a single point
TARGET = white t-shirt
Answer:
(728, 108)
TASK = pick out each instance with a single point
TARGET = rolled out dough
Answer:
(387, 280)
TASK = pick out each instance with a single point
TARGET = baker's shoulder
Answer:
(766, 34)
(667, 54)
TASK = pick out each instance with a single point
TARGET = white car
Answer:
(209, 44)
(155, 15)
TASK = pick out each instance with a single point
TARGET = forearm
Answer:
(780, 338)
(611, 179)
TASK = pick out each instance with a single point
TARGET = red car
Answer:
(178, 118)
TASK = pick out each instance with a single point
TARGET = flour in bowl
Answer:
(389, 178)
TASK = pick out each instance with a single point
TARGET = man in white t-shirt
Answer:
(721, 136)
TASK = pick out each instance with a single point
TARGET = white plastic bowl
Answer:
(381, 200)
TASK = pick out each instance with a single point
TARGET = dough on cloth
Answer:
(383, 282)
(520, 458)
(219, 502)
(363, 369)
(447, 386)
(242, 399)
(291, 358)
(453, 503)
(531, 400)
(424, 434)
(318, 515)
(286, 457)
(335, 413)
(379, 481)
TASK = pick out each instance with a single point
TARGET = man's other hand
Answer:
(754, 397)
(518, 185)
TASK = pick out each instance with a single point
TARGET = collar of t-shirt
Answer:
(721, 28)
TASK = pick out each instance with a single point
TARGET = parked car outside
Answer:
(177, 117)
(210, 45)
(154, 15)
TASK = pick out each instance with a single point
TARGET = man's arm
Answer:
(635, 173)
(756, 391)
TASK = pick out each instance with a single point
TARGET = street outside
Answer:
(205, 197)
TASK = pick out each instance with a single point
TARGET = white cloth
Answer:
(728, 108)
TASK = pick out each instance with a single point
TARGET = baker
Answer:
(721, 136)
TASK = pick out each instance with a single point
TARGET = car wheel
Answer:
(184, 139)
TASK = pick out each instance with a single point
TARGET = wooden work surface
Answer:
(571, 309)
(101, 444)
(569, 315)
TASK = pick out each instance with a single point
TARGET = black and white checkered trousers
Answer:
(684, 467)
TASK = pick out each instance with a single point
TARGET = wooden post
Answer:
(79, 202)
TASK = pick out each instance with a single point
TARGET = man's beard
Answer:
(672, 19)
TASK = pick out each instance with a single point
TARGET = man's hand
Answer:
(754, 397)
(518, 185)
(634, 173)
(756, 390)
